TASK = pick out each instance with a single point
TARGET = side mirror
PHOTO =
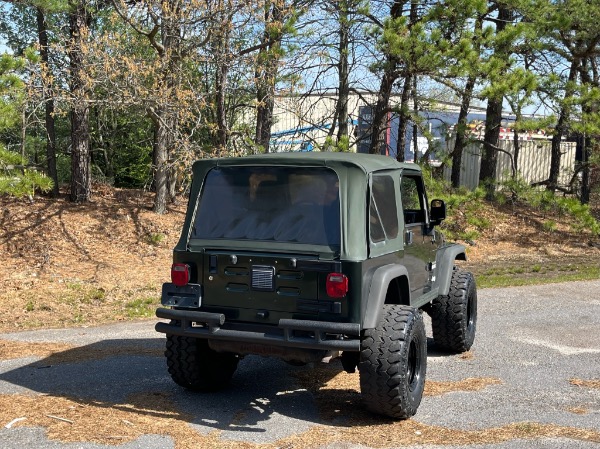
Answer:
(437, 212)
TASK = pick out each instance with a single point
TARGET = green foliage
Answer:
(343, 144)
(16, 178)
(478, 222)
(155, 238)
(465, 209)
(585, 221)
(548, 203)
(63, 168)
(123, 150)
(330, 144)
(18, 181)
(466, 218)
(144, 307)
(549, 226)
(11, 90)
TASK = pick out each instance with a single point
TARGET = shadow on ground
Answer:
(126, 374)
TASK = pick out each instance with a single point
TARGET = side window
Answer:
(383, 215)
(411, 192)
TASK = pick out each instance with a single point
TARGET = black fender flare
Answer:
(377, 291)
(445, 264)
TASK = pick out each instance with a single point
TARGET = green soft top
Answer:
(353, 171)
(366, 162)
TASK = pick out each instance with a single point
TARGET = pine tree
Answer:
(16, 177)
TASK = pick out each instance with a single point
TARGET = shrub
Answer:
(17, 181)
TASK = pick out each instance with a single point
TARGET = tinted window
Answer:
(383, 215)
(270, 203)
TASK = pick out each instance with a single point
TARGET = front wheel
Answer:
(393, 363)
(454, 316)
(192, 364)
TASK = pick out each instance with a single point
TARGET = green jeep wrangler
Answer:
(311, 256)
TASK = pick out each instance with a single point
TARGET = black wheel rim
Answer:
(470, 313)
(413, 366)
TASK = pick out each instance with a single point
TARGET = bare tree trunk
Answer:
(160, 156)
(561, 129)
(461, 132)
(80, 126)
(517, 146)
(172, 173)
(343, 71)
(266, 74)
(461, 127)
(493, 120)
(585, 175)
(403, 118)
(404, 115)
(164, 117)
(49, 101)
(489, 159)
(589, 109)
(379, 124)
(172, 183)
(220, 86)
(415, 112)
(263, 119)
(160, 159)
(164, 127)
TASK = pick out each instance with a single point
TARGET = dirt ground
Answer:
(65, 264)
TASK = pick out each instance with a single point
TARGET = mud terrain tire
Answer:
(193, 365)
(393, 363)
(454, 316)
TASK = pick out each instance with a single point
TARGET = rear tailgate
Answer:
(258, 283)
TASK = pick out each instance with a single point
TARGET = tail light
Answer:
(180, 274)
(337, 285)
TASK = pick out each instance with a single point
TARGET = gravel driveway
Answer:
(536, 361)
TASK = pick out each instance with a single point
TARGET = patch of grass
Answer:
(549, 226)
(78, 318)
(74, 286)
(514, 277)
(469, 235)
(83, 294)
(155, 238)
(144, 307)
(478, 222)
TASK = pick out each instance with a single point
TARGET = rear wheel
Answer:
(194, 365)
(454, 316)
(393, 363)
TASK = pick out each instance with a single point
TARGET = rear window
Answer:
(282, 204)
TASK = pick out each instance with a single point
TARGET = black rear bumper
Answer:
(320, 335)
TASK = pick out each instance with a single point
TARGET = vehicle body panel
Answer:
(259, 295)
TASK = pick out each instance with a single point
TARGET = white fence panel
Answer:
(533, 163)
